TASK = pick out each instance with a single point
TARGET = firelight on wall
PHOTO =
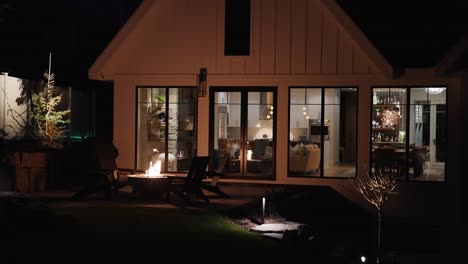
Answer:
(202, 82)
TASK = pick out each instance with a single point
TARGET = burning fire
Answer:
(154, 169)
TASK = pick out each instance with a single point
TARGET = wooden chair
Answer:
(190, 187)
(100, 169)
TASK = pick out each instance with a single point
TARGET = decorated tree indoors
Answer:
(50, 123)
(376, 188)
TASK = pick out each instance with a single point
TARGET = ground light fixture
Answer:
(263, 210)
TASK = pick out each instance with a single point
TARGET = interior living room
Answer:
(328, 148)
(244, 131)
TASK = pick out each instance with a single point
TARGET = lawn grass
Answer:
(141, 231)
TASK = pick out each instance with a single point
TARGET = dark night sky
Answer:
(410, 33)
(76, 32)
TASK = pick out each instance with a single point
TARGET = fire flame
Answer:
(154, 169)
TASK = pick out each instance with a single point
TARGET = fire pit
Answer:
(150, 183)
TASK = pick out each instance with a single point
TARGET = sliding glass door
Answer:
(243, 131)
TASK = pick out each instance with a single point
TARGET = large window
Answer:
(322, 132)
(166, 127)
(243, 131)
(409, 132)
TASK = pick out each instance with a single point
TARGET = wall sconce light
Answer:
(202, 81)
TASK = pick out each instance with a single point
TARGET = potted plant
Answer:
(49, 126)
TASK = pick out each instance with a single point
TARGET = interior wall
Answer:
(10, 90)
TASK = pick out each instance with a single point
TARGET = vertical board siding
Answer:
(361, 64)
(283, 36)
(329, 44)
(206, 55)
(345, 52)
(314, 37)
(238, 64)
(252, 65)
(298, 36)
(268, 36)
(287, 37)
(223, 63)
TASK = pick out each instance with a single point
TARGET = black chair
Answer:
(100, 169)
(386, 162)
(190, 187)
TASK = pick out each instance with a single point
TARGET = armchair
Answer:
(305, 160)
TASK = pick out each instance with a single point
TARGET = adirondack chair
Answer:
(190, 187)
(100, 169)
(215, 175)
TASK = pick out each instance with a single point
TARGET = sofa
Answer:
(304, 159)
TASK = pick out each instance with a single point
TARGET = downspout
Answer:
(3, 99)
(70, 115)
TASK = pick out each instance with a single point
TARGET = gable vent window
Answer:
(237, 28)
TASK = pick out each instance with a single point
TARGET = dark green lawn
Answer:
(142, 232)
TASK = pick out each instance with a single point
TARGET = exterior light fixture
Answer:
(202, 82)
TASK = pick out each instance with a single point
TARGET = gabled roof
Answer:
(455, 60)
(360, 38)
(30, 30)
(410, 34)
(108, 56)
(132, 22)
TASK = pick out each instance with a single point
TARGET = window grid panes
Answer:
(322, 132)
(166, 127)
(409, 139)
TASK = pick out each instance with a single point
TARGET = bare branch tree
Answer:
(376, 189)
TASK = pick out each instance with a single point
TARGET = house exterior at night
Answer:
(305, 99)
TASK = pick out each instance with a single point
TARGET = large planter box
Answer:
(31, 170)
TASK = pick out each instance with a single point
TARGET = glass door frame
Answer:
(244, 90)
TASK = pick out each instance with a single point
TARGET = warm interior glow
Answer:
(390, 118)
(249, 154)
(154, 169)
(434, 90)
